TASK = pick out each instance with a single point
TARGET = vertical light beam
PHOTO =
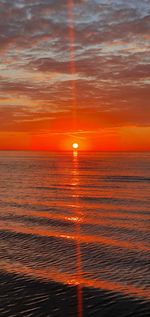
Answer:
(74, 113)
(72, 61)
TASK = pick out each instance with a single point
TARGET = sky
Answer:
(75, 71)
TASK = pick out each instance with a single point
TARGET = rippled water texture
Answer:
(74, 234)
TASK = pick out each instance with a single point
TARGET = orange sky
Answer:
(74, 71)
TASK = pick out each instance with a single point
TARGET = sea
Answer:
(74, 234)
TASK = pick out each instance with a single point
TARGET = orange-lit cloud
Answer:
(74, 69)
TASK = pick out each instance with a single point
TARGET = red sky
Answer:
(74, 71)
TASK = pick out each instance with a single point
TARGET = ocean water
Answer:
(74, 234)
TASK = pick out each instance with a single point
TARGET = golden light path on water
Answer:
(75, 184)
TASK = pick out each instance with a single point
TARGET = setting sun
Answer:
(75, 146)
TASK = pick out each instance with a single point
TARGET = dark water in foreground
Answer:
(74, 234)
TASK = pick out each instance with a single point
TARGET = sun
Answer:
(75, 146)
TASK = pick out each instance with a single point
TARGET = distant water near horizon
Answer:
(74, 234)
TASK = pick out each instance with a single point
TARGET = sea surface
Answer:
(74, 234)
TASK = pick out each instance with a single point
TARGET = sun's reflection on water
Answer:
(77, 220)
(75, 154)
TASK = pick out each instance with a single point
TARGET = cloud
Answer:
(99, 52)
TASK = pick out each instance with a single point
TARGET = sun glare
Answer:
(75, 146)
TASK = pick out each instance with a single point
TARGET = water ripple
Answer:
(74, 229)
